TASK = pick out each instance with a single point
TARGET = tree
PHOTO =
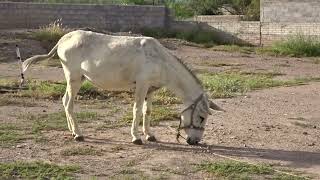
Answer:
(206, 7)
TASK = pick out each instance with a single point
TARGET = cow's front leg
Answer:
(140, 94)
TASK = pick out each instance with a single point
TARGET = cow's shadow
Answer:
(295, 158)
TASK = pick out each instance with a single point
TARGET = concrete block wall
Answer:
(296, 11)
(245, 31)
(271, 32)
(234, 29)
(110, 17)
(283, 18)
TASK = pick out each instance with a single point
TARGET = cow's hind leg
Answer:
(73, 86)
(147, 107)
(65, 100)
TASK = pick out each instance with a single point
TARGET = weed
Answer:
(297, 45)
(50, 34)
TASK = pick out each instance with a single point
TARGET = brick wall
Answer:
(218, 18)
(110, 17)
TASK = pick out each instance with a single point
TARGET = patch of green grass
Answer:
(234, 170)
(36, 170)
(226, 85)
(165, 97)
(158, 114)
(10, 134)
(53, 90)
(44, 89)
(56, 121)
(237, 170)
(297, 45)
(9, 83)
(81, 151)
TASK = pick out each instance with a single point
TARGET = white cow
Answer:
(124, 62)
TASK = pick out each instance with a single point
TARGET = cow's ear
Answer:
(213, 106)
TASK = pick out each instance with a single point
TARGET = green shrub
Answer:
(49, 35)
(298, 45)
(181, 9)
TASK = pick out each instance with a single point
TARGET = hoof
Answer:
(79, 138)
(137, 142)
(151, 139)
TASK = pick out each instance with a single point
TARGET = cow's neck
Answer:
(183, 82)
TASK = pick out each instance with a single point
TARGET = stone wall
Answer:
(110, 17)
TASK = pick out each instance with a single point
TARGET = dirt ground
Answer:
(260, 127)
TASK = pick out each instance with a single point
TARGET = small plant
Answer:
(298, 45)
(50, 34)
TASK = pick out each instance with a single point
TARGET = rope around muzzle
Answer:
(191, 126)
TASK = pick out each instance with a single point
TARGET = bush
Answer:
(50, 34)
(298, 45)
(181, 9)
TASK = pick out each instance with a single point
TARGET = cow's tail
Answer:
(29, 61)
